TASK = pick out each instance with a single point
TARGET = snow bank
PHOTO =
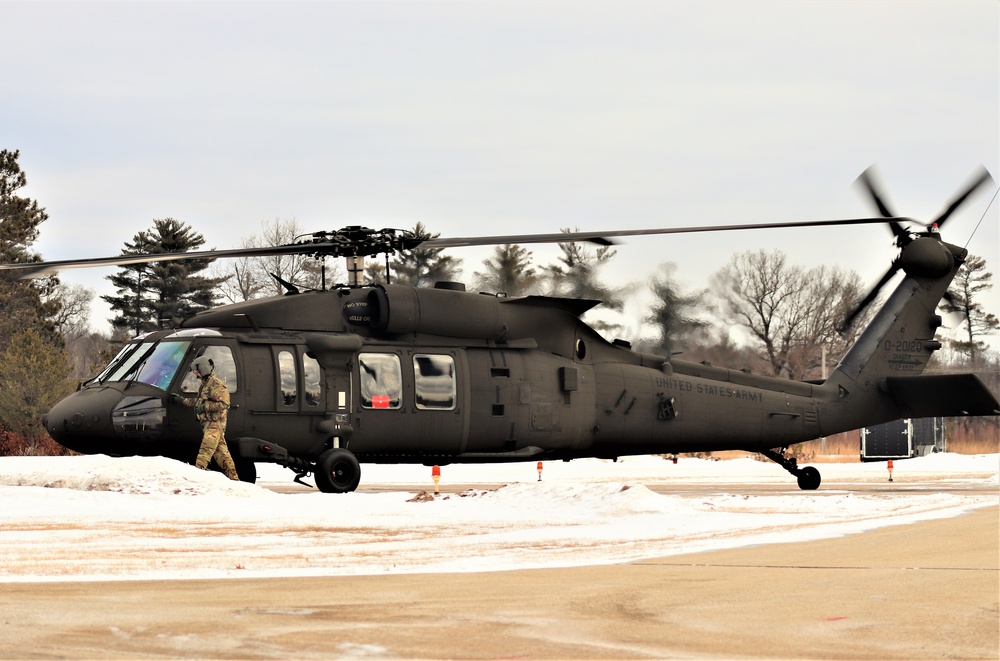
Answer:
(102, 518)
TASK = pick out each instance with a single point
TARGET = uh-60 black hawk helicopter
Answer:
(323, 380)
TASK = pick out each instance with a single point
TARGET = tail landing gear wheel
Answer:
(809, 479)
(337, 471)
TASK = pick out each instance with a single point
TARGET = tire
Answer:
(809, 479)
(338, 471)
(246, 469)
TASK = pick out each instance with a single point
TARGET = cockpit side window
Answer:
(225, 368)
(380, 380)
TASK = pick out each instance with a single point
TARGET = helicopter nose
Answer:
(82, 421)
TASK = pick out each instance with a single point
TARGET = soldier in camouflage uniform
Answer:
(211, 406)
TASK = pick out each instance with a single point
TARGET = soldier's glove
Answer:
(177, 399)
(199, 408)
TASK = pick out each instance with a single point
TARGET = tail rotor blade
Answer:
(869, 298)
(867, 180)
(982, 178)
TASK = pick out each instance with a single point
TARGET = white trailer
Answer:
(902, 439)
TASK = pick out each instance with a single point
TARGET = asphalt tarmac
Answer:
(927, 590)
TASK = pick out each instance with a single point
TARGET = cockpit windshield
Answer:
(126, 361)
(153, 363)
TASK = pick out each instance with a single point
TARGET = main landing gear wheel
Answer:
(337, 471)
(808, 477)
(246, 469)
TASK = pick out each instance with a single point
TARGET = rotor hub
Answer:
(357, 241)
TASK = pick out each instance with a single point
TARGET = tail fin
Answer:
(879, 375)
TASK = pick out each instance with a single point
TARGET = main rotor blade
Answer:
(604, 238)
(983, 178)
(41, 269)
(361, 241)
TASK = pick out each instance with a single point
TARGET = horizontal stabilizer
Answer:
(935, 395)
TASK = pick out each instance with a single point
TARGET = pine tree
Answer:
(161, 294)
(132, 280)
(576, 274)
(673, 313)
(422, 267)
(33, 373)
(509, 271)
(374, 273)
(971, 280)
(23, 303)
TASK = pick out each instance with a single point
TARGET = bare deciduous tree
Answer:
(791, 313)
(73, 318)
(247, 278)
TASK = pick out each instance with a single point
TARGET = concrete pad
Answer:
(928, 590)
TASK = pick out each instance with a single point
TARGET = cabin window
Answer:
(225, 369)
(380, 380)
(311, 380)
(434, 381)
(288, 378)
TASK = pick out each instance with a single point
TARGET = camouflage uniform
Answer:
(211, 406)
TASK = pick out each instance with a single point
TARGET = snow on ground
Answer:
(97, 518)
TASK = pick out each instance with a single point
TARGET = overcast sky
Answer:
(492, 118)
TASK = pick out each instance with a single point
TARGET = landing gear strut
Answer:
(808, 477)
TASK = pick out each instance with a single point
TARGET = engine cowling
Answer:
(397, 309)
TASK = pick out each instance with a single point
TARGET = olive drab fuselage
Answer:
(321, 381)
(398, 374)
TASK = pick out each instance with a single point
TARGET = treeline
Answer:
(759, 312)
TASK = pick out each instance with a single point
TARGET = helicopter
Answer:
(323, 381)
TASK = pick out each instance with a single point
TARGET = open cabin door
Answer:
(224, 355)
